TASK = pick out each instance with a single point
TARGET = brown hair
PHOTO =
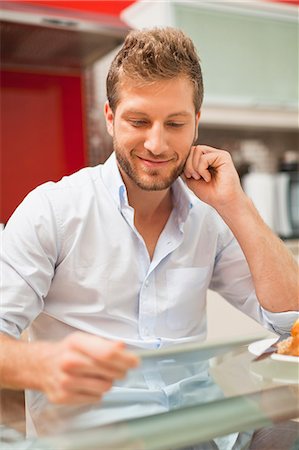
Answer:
(155, 54)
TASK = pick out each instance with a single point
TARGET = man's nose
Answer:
(156, 139)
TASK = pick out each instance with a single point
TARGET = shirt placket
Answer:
(148, 307)
(169, 240)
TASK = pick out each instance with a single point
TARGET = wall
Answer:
(42, 132)
(224, 321)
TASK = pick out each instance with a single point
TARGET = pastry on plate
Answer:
(290, 346)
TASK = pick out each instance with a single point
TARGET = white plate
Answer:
(258, 347)
(278, 368)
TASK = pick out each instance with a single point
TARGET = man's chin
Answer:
(149, 180)
(154, 185)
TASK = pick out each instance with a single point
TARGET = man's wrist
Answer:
(26, 372)
(233, 209)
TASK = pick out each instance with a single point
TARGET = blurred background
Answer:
(54, 60)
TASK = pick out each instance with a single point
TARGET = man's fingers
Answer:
(189, 170)
(88, 385)
(207, 164)
(202, 161)
(197, 164)
(78, 364)
(73, 398)
(109, 354)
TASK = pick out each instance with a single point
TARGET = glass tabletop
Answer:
(212, 395)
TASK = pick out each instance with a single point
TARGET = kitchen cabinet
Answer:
(249, 57)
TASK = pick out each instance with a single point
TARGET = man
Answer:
(122, 255)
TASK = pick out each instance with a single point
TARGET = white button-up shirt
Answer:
(73, 260)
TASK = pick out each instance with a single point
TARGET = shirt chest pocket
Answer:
(186, 296)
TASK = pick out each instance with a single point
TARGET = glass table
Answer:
(205, 396)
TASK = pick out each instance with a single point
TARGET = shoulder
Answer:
(68, 191)
(52, 202)
(74, 183)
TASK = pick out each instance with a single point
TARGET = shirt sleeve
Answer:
(232, 280)
(28, 256)
(281, 322)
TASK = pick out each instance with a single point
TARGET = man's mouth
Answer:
(154, 162)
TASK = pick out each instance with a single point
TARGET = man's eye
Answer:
(175, 124)
(138, 123)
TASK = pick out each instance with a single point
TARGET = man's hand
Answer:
(78, 369)
(211, 175)
(81, 368)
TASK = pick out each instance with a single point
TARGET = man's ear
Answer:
(197, 117)
(109, 117)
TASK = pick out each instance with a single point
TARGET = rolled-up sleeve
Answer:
(281, 322)
(29, 248)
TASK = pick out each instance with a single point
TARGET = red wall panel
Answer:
(113, 7)
(42, 133)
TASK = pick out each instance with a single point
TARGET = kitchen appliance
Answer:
(273, 186)
(287, 204)
(276, 197)
(42, 37)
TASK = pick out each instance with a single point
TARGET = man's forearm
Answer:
(17, 363)
(273, 268)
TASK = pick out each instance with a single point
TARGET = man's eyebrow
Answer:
(133, 111)
(180, 113)
(141, 113)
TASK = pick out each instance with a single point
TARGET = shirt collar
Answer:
(183, 199)
(113, 181)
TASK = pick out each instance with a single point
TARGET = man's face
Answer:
(153, 129)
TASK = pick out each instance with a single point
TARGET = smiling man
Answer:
(120, 256)
(151, 142)
(153, 127)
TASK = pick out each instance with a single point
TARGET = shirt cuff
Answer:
(9, 328)
(281, 322)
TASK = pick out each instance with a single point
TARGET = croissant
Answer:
(290, 346)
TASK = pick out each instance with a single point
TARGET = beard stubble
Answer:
(156, 182)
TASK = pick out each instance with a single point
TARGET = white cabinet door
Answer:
(249, 57)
